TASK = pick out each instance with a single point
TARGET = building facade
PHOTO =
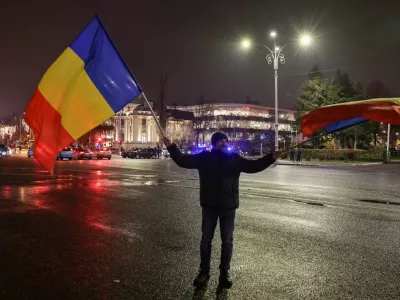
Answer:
(134, 125)
(241, 121)
(14, 129)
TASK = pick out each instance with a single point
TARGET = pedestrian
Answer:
(219, 172)
(291, 154)
(158, 151)
(299, 153)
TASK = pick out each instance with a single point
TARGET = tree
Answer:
(315, 73)
(348, 92)
(160, 106)
(179, 132)
(314, 93)
(225, 122)
(376, 89)
(203, 115)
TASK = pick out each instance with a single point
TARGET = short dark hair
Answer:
(217, 137)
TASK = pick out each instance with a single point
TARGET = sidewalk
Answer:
(326, 163)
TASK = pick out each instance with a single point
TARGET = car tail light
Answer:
(82, 152)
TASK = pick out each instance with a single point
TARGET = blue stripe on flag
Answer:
(105, 66)
(339, 125)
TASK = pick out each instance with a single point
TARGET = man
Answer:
(299, 153)
(219, 173)
(291, 154)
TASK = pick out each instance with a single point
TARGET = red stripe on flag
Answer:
(377, 111)
(50, 135)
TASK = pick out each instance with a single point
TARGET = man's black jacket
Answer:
(219, 174)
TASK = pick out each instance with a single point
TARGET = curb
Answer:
(326, 165)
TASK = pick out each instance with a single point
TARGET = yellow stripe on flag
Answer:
(86, 108)
(69, 90)
(60, 77)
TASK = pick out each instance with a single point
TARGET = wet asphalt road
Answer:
(130, 229)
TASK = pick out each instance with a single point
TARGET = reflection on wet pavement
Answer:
(35, 193)
(131, 230)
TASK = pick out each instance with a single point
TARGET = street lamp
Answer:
(275, 57)
(305, 40)
(246, 44)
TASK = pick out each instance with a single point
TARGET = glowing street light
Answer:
(246, 44)
(305, 40)
(275, 57)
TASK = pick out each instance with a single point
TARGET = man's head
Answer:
(219, 141)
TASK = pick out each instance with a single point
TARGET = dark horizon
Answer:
(197, 43)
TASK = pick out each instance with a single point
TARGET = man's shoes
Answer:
(225, 281)
(201, 279)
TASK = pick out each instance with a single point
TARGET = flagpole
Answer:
(154, 115)
(311, 139)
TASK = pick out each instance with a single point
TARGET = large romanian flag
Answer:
(87, 84)
(339, 116)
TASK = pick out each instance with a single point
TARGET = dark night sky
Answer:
(196, 41)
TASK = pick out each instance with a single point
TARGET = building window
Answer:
(122, 122)
(144, 137)
(143, 122)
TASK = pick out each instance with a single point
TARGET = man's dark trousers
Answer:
(209, 222)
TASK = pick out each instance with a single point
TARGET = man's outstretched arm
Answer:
(182, 160)
(257, 165)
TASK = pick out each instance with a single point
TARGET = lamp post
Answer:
(275, 57)
(388, 145)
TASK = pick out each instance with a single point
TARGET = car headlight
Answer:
(4, 153)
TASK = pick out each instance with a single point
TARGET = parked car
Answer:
(103, 153)
(147, 153)
(4, 150)
(133, 153)
(31, 152)
(65, 153)
(124, 153)
(84, 153)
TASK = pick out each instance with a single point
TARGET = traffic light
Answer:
(99, 139)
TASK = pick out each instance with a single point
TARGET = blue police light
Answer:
(229, 148)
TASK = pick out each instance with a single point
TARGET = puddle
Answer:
(124, 182)
(310, 203)
(379, 201)
(140, 176)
